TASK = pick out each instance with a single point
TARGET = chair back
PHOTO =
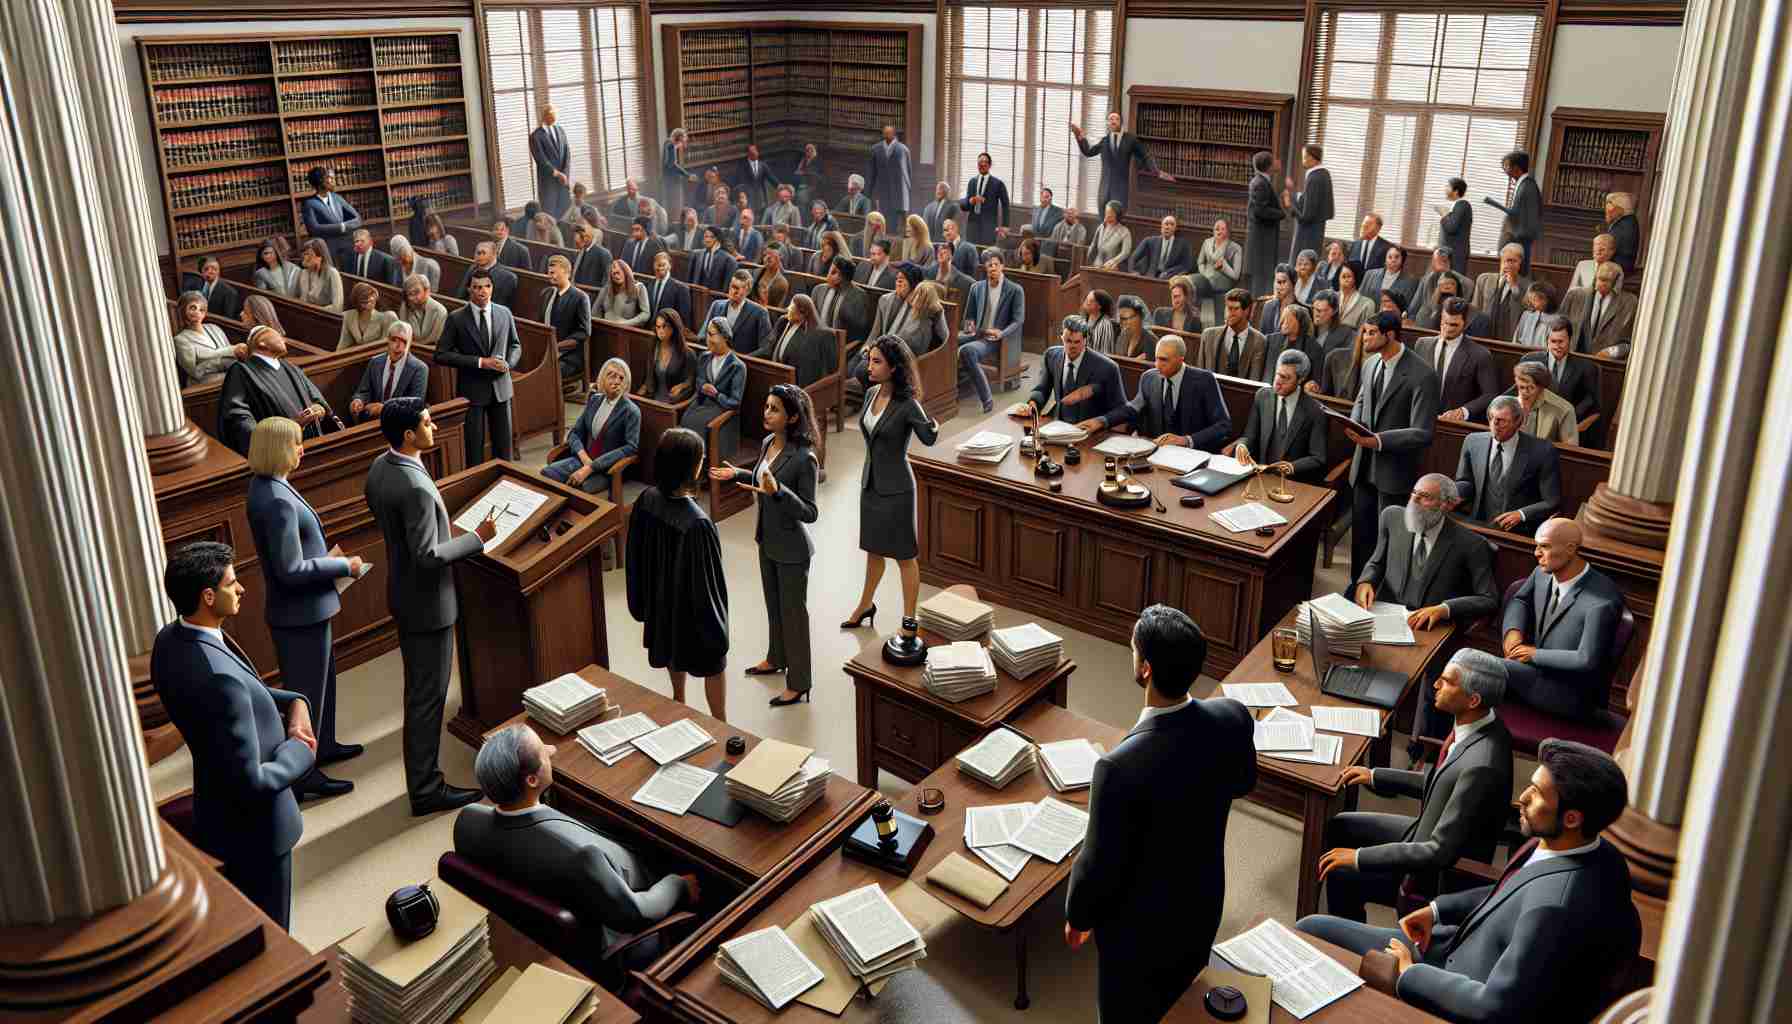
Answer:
(531, 912)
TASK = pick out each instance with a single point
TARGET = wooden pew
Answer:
(1608, 374)
(1039, 331)
(1117, 283)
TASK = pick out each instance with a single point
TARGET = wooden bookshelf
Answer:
(1204, 138)
(783, 85)
(1592, 153)
(239, 122)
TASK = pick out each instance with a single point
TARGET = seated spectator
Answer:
(1547, 415)
(1389, 277)
(607, 431)
(1353, 306)
(1603, 316)
(1393, 302)
(274, 269)
(771, 287)
(1506, 478)
(875, 270)
(1134, 338)
(426, 316)
(801, 343)
(1286, 428)
(820, 222)
(363, 323)
(1327, 331)
(259, 312)
(1028, 259)
(436, 236)
(220, 296)
(393, 374)
(365, 261)
(1306, 276)
(1500, 293)
(1467, 378)
(319, 283)
(266, 384)
(1294, 333)
(855, 201)
(1540, 309)
(202, 351)
(543, 229)
(1269, 315)
(873, 233)
(1574, 379)
(1182, 315)
(1097, 310)
(1605, 249)
(1164, 256)
(406, 260)
(1558, 628)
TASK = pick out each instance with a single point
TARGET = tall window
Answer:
(1015, 78)
(587, 63)
(1402, 102)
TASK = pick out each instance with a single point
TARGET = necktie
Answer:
(1169, 401)
(1069, 377)
(1496, 480)
(1513, 867)
(1279, 443)
(1419, 553)
(391, 380)
(980, 180)
(485, 329)
(659, 285)
(1443, 752)
(578, 263)
(1374, 390)
(1598, 310)
(363, 271)
(1233, 354)
(1114, 141)
(1555, 369)
(1443, 366)
(1555, 601)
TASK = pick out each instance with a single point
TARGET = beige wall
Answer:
(1252, 56)
(1611, 67)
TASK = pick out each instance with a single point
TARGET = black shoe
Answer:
(447, 798)
(781, 702)
(764, 669)
(340, 752)
(868, 615)
(322, 786)
(989, 406)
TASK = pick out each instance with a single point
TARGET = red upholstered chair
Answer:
(1530, 726)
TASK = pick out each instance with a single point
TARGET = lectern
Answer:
(532, 604)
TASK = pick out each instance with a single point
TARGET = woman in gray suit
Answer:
(721, 384)
(1540, 309)
(274, 269)
(623, 300)
(1112, 244)
(319, 282)
(301, 579)
(887, 486)
(784, 480)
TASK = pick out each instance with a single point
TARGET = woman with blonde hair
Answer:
(201, 350)
(917, 241)
(623, 299)
(363, 323)
(319, 283)
(875, 228)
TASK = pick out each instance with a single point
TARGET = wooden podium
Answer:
(532, 604)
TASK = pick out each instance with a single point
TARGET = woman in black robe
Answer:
(676, 588)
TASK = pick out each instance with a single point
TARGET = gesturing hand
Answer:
(1417, 927)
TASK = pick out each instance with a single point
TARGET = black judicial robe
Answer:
(676, 588)
(253, 391)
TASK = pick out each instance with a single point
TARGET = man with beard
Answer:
(1540, 944)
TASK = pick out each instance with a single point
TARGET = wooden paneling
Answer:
(1040, 553)
(955, 533)
(1120, 576)
(1212, 596)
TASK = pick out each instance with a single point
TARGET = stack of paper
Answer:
(422, 982)
(1069, 764)
(1301, 978)
(1286, 736)
(612, 741)
(1125, 446)
(957, 672)
(788, 800)
(1052, 830)
(1247, 517)
(767, 966)
(567, 703)
(672, 742)
(674, 787)
(954, 617)
(870, 935)
(1021, 651)
(988, 831)
(1390, 624)
(1348, 625)
(1060, 432)
(1177, 459)
(1357, 721)
(537, 994)
(985, 446)
(997, 759)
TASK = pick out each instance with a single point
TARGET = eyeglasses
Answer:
(1430, 499)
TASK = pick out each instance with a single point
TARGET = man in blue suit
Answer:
(1176, 404)
(747, 318)
(1559, 626)
(249, 743)
(994, 314)
(329, 216)
(394, 374)
(748, 242)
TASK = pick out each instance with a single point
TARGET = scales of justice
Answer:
(1254, 488)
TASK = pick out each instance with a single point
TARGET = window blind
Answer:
(1016, 76)
(587, 62)
(1403, 101)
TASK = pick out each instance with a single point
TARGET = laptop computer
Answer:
(1377, 686)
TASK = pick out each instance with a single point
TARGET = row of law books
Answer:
(211, 102)
(221, 145)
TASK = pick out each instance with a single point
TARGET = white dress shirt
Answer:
(1152, 711)
(1463, 732)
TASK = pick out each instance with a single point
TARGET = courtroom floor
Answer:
(358, 848)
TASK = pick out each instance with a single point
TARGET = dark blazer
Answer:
(503, 285)
(980, 223)
(1371, 253)
(224, 300)
(296, 563)
(515, 255)
(853, 310)
(1535, 948)
(1533, 480)
(1312, 209)
(957, 284)
(621, 436)
(1200, 412)
(551, 151)
(419, 545)
(712, 270)
(751, 325)
(1473, 380)
(591, 266)
(782, 532)
(1574, 649)
(1155, 848)
(1045, 220)
(731, 384)
(640, 254)
(760, 184)
(1454, 229)
(1181, 259)
(569, 315)
(813, 353)
(1338, 378)
(886, 470)
(1269, 321)
(674, 294)
(1578, 382)
(1462, 806)
(936, 213)
(1524, 218)
(1160, 318)
(243, 763)
(1627, 236)
(887, 178)
(1094, 370)
(964, 259)
(1376, 281)
(378, 266)
(1304, 444)
(1275, 344)
(1262, 241)
(886, 278)
(462, 347)
(1116, 165)
(413, 380)
(334, 222)
(1404, 418)
(748, 243)
(1458, 572)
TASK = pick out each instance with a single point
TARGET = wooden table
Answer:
(1364, 1006)
(1045, 723)
(585, 787)
(1074, 559)
(510, 948)
(909, 731)
(1315, 792)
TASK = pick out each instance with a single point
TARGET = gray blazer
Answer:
(1112, 243)
(1305, 444)
(419, 544)
(420, 264)
(1533, 480)
(462, 347)
(886, 470)
(285, 281)
(1404, 418)
(428, 323)
(1574, 649)
(602, 881)
(1462, 806)
(295, 559)
(781, 533)
(1458, 573)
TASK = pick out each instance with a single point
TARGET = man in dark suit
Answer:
(329, 216)
(1150, 879)
(888, 178)
(1544, 942)
(591, 263)
(1286, 427)
(985, 204)
(1397, 401)
(1370, 249)
(1524, 218)
(1165, 256)
(756, 176)
(394, 373)
(542, 850)
(712, 266)
(1456, 222)
(1559, 628)
(221, 296)
(568, 311)
(366, 261)
(946, 274)
(875, 269)
(1234, 348)
(1117, 150)
(641, 247)
(1620, 223)
(747, 241)
(1575, 379)
(420, 592)
(964, 254)
(667, 292)
(1370, 857)
(250, 743)
(1312, 207)
(1467, 378)
(1176, 403)
(1046, 218)
(1507, 477)
(1428, 562)
(485, 257)
(552, 155)
(1083, 381)
(481, 342)
(1263, 242)
(688, 237)
(511, 251)
(748, 319)
(995, 311)
(941, 209)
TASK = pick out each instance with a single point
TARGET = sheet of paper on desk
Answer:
(837, 986)
(775, 971)
(1058, 431)
(1225, 464)
(1053, 830)
(1290, 732)
(1390, 624)
(1247, 517)
(1260, 695)
(514, 502)
(675, 787)
(1006, 860)
(671, 742)
(1326, 749)
(1178, 459)
(1301, 978)
(1124, 446)
(1355, 721)
(1070, 763)
(995, 824)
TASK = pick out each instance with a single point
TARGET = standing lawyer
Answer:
(552, 154)
(892, 414)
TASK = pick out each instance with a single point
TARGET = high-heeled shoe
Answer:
(763, 669)
(780, 702)
(870, 615)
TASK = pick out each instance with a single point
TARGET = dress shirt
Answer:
(715, 367)
(1463, 732)
(1539, 854)
(731, 313)
(212, 631)
(1152, 711)
(982, 179)
(784, 342)
(1429, 537)
(270, 360)
(1303, 290)
(1561, 590)
(531, 809)
(1175, 392)
(1070, 368)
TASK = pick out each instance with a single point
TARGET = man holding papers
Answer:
(1151, 877)
(542, 850)
(1462, 800)
(1398, 403)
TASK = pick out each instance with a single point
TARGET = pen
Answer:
(1016, 731)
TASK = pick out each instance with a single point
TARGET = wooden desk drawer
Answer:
(906, 734)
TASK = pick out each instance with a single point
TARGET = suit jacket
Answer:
(749, 243)
(712, 270)
(1473, 380)
(1533, 480)
(1376, 281)
(1094, 369)
(503, 285)
(771, 289)
(672, 294)
(1627, 235)
(296, 562)
(1180, 260)
(1458, 571)
(1304, 444)
(981, 222)
(419, 544)
(1009, 316)
(1504, 315)
(957, 284)
(851, 311)
(885, 278)
(856, 205)
(1371, 253)
(1161, 317)
(1524, 218)
(1200, 412)
(1552, 419)
(813, 353)
(751, 325)
(782, 532)
(1462, 806)
(1454, 230)
(591, 266)
(887, 177)
(462, 347)
(515, 255)
(1577, 383)
(1338, 378)
(1158, 810)
(1616, 320)
(373, 265)
(1404, 418)
(427, 323)
(1262, 242)
(640, 255)
(1064, 235)
(1533, 329)
(569, 315)
(243, 763)
(1312, 209)
(886, 470)
(1535, 948)
(1045, 220)
(224, 301)
(685, 240)
(413, 379)
(1213, 354)
(420, 264)
(1116, 164)
(620, 438)
(334, 220)
(937, 212)
(760, 184)
(551, 151)
(1574, 649)
(602, 881)
(1586, 275)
